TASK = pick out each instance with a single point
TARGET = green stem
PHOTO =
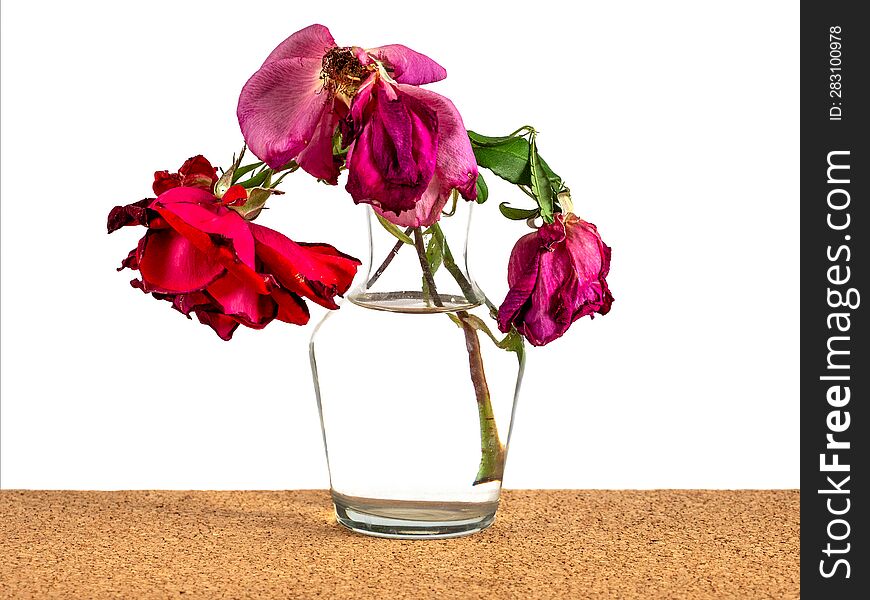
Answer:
(431, 291)
(492, 453)
(451, 266)
(491, 449)
(387, 260)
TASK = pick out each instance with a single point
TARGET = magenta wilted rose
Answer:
(556, 275)
(206, 259)
(410, 150)
(407, 147)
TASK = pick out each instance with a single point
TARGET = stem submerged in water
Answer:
(452, 267)
(492, 451)
(387, 260)
(431, 292)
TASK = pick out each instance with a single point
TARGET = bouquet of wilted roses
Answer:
(324, 109)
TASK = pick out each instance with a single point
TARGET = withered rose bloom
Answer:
(410, 151)
(205, 259)
(407, 146)
(556, 275)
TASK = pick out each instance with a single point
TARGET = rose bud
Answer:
(195, 172)
(556, 275)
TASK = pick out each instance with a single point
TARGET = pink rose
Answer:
(556, 275)
(410, 149)
(407, 147)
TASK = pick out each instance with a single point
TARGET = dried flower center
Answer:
(343, 72)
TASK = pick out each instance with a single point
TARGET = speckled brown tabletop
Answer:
(544, 544)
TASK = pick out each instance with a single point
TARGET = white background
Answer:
(675, 124)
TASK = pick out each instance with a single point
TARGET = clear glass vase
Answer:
(416, 388)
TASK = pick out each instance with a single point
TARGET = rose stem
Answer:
(424, 265)
(492, 452)
(388, 260)
(453, 269)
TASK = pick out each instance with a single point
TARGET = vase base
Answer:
(405, 519)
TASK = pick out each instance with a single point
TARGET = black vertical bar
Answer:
(835, 362)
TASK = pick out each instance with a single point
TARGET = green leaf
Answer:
(482, 189)
(257, 180)
(511, 162)
(508, 159)
(512, 342)
(484, 140)
(245, 170)
(555, 180)
(281, 178)
(394, 231)
(518, 214)
(435, 252)
(542, 188)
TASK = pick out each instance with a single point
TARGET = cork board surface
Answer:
(545, 544)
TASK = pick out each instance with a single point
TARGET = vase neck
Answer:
(419, 269)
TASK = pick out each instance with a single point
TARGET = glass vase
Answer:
(416, 388)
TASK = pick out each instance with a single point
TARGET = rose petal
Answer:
(392, 162)
(223, 325)
(215, 230)
(291, 308)
(317, 158)
(186, 303)
(197, 172)
(408, 66)
(236, 195)
(312, 42)
(164, 180)
(170, 263)
(427, 210)
(359, 108)
(522, 274)
(131, 214)
(132, 260)
(280, 107)
(201, 223)
(456, 165)
(235, 298)
(329, 250)
(315, 271)
(591, 258)
(551, 305)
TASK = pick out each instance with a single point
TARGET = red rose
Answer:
(206, 259)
